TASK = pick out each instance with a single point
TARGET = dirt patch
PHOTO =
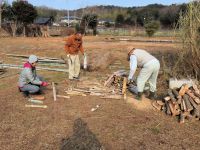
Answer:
(144, 104)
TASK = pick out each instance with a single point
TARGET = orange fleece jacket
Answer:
(74, 44)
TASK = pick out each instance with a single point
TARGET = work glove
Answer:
(44, 84)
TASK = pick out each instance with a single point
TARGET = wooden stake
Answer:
(54, 91)
(36, 106)
(124, 87)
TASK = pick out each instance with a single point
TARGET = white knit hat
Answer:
(32, 59)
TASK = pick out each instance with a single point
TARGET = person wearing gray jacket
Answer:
(149, 70)
(29, 82)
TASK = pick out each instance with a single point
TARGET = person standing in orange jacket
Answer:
(73, 46)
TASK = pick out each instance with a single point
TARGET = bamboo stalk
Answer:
(36, 106)
(11, 66)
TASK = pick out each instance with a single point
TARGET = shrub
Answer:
(152, 27)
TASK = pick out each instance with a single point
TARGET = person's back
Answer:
(142, 57)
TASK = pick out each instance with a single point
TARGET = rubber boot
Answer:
(152, 95)
(26, 94)
(139, 96)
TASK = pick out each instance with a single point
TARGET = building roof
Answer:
(42, 20)
(70, 18)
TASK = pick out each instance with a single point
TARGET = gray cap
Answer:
(32, 59)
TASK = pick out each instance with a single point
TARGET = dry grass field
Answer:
(116, 125)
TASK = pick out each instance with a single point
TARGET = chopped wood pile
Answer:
(183, 102)
(113, 88)
(118, 80)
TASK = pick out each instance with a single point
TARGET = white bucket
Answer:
(85, 61)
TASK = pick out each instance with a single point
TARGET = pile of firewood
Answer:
(183, 102)
(118, 81)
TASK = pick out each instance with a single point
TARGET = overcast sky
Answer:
(75, 4)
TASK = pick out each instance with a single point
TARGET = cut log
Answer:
(182, 118)
(54, 91)
(183, 107)
(193, 103)
(196, 94)
(167, 98)
(175, 92)
(160, 103)
(173, 99)
(187, 103)
(156, 105)
(109, 81)
(168, 111)
(177, 109)
(172, 108)
(196, 113)
(183, 89)
(196, 99)
(195, 88)
(111, 78)
(187, 115)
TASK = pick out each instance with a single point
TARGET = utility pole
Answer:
(68, 16)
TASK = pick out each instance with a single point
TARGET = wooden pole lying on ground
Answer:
(54, 91)
(36, 106)
(35, 101)
(62, 96)
(27, 56)
(38, 68)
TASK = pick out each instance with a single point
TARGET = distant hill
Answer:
(166, 14)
